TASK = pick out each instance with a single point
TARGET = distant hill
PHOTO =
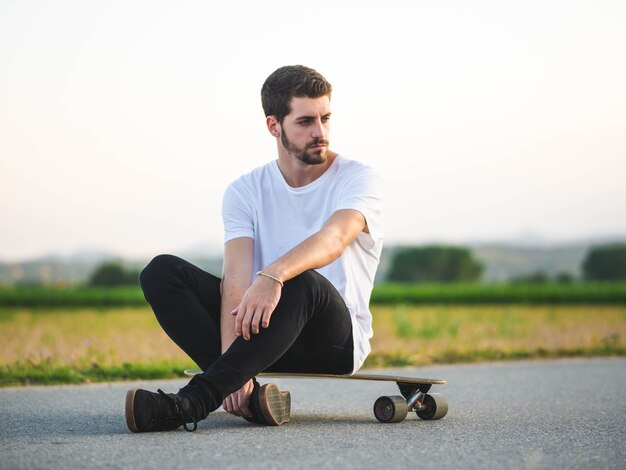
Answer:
(502, 260)
(53, 269)
(76, 269)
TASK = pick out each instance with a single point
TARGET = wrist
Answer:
(268, 275)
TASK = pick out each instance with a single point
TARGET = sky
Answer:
(122, 122)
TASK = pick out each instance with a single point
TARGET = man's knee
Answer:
(306, 279)
(157, 272)
(310, 287)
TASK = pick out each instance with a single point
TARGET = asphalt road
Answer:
(545, 414)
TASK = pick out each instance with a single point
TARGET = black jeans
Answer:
(310, 329)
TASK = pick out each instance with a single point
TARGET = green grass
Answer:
(453, 356)
(71, 296)
(50, 374)
(609, 293)
(404, 326)
(48, 346)
(417, 335)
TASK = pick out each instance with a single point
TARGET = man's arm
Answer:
(237, 273)
(320, 249)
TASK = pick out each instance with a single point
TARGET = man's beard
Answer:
(305, 155)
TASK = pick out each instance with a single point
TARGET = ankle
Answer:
(193, 402)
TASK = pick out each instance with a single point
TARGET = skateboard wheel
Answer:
(390, 409)
(434, 406)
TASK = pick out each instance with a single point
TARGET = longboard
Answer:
(387, 409)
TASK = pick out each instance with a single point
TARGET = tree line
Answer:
(432, 263)
(437, 263)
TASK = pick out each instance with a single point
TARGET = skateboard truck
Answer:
(394, 409)
(415, 399)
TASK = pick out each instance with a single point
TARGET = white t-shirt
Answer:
(262, 206)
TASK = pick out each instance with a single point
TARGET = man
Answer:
(303, 237)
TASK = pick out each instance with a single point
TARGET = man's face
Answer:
(304, 131)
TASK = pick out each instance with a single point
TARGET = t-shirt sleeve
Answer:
(237, 213)
(364, 193)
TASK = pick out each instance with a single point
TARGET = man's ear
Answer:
(273, 125)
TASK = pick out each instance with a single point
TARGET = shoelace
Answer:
(180, 414)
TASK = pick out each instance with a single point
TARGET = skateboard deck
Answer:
(387, 409)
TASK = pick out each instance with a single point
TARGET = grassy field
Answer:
(584, 293)
(81, 345)
(407, 335)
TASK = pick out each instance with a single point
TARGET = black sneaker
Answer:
(269, 405)
(148, 411)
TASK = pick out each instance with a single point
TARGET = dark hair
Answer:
(290, 81)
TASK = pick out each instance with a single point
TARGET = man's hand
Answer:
(237, 402)
(256, 307)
